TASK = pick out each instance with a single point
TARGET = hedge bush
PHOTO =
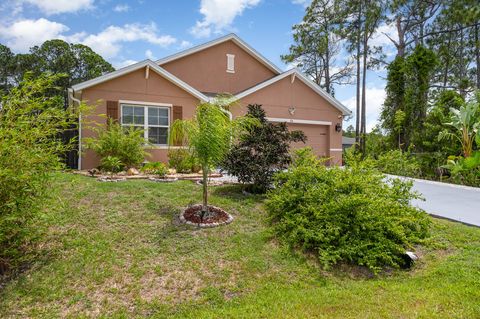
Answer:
(345, 215)
(397, 162)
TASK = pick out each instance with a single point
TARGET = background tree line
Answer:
(437, 50)
(434, 72)
(76, 61)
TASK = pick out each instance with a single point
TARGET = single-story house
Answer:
(151, 95)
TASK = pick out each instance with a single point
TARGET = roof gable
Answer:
(297, 74)
(230, 37)
(152, 66)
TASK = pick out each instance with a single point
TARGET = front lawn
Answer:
(117, 250)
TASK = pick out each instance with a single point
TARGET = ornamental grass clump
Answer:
(345, 215)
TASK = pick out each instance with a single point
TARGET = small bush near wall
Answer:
(182, 161)
(156, 168)
(345, 215)
(127, 144)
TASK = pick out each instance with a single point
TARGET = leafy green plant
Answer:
(397, 162)
(465, 170)
(156, 168)
(125, 143)
(466, 123)
(208, 136)
(111, 164)
(261, 151)
(30, 122)
(345, 215)
(183, 161)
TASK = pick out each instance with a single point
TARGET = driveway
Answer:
(460, 203)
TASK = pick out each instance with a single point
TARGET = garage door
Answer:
(317, 137)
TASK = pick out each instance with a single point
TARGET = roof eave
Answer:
(134, 67)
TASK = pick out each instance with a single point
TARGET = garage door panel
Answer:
(317, 137)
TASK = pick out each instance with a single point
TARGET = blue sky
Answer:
(124, 32)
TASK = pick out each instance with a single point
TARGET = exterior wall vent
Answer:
(230, 63)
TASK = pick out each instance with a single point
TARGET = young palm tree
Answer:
(209, 135)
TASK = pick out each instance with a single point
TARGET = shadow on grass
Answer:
(235, 192)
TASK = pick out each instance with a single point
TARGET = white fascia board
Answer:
(225, 38)
(297, 121)
(304, 79)
(153, 66)
(263, 84)
(345, 110)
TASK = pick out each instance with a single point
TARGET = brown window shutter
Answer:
(177, 114)
(112, 110)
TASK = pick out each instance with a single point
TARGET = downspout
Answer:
(72, 96)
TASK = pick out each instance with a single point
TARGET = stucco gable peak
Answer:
(229, 37)
(297, 74)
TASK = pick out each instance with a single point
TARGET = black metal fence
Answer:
(70, 136)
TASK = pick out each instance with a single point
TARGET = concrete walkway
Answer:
(455, 202)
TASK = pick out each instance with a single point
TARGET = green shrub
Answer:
(345, 215)
(261, 151)
(464, 170)
(156, 168)
(182, 161)
(30, 122)
(397, 162)
(125, 143)
(111, 164)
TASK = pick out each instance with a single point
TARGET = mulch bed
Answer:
(191, 216)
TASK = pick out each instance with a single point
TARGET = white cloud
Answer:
(121, 8)
(304, 3)
(23, 34)
(61, 6)
(149, 55)
(185, 44)
(375, 97)
(122, 64)
(109, 42)
(380, 38)
(219, 15)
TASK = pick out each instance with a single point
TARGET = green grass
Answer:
(117, 250)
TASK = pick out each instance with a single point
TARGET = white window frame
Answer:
(230, 63)
(145, 125)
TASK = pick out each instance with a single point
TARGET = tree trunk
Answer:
(357, 127)
(447, 62)
(401, 38)
(205, 191)
(463, 71)
(477, 54)
(327, 67)
(364, 98)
